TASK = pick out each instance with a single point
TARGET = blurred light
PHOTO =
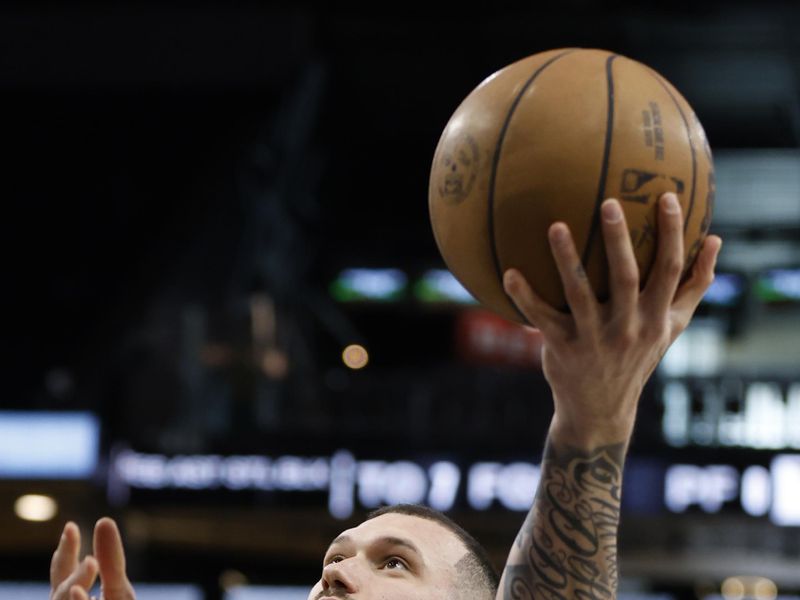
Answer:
(483, 337)
(697, 351)
(445, 479)
(144, 591)
(768, 173)
(759, 588)
(677, 405)
(725, 290)
(439, 285)
(513, 485)
(765, 589)
(764, 414)
(733, 589)
(35, 507)
(266, 592)
(48, 445)
(710, 487)
(355, 356)
(231, 578)
(381, 285)
(517, 485)
(202, 472)
(275, 364)
(759, 491)
(401, 482)
(779, 285)
(785, 489)
(792, 416)
(756, 491)
(342, 483)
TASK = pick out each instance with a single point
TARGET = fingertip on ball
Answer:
(612, 212)
(559, 233)
(714, 243)
(669, 202)
(509, 279)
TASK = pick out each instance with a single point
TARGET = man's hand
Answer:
(598, 358)
(72, 580)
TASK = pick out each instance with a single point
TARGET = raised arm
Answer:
(597, 360)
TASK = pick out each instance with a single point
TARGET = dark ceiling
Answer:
(156, 153)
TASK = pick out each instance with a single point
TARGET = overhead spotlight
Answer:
(756, 588)
(733, 589)
(765, 589)
(231, 578)
(35, 507)
(355, 356)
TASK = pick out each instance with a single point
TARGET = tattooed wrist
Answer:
(567, 547)
(564, 455)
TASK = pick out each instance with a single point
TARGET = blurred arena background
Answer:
(206, 203)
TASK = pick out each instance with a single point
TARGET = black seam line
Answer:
(601, 185)
(496, 162)
(691, 148)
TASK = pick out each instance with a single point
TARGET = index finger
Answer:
(110, 555)
(65, 557)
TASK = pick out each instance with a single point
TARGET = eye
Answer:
(334, 559)
(394, 564)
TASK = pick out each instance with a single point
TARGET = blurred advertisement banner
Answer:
(48, 445)
(483, 337)
(347, 483)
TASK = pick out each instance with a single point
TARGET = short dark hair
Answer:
(476, 567)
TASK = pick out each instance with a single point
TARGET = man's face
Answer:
(391, 557)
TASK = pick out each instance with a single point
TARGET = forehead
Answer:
(432, 539)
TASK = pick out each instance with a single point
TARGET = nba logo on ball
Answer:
(548, 138)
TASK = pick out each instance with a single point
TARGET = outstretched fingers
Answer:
(538, 312)
(623, 270)
(665, 275)
(577, 288)
(693, 289)
(83, 577)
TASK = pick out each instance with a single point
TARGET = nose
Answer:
(340, 577)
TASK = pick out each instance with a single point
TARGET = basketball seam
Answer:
(496, 163)
(691, 147)
(601, 184)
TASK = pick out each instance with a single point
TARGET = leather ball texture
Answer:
(548, 138)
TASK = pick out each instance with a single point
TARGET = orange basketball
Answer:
(547, 139)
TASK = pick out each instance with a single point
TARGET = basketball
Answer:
(548, 138)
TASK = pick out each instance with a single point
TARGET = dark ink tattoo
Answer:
(567, 547)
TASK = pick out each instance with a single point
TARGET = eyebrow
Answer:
(387, 540)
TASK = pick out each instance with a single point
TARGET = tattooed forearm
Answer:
(567, 547)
